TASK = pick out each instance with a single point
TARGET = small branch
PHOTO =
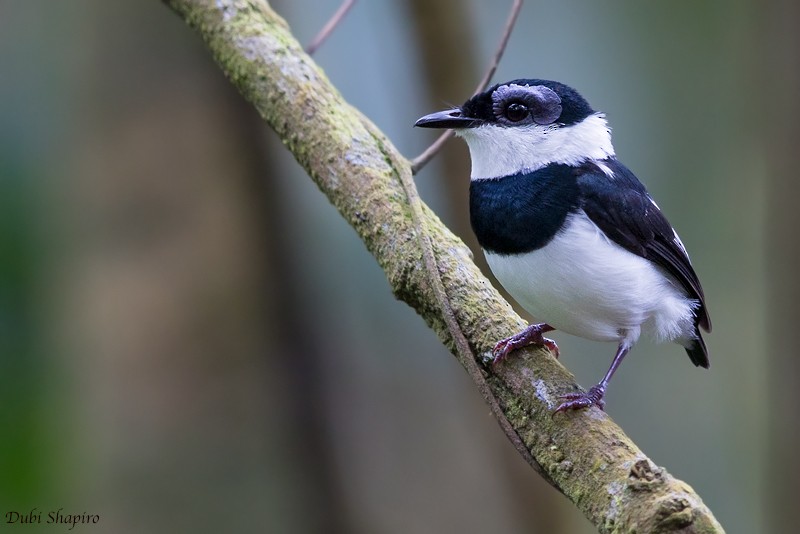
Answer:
(516, 7)
(327, 30)
(420, 161)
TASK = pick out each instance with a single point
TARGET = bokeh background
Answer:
(192, 340)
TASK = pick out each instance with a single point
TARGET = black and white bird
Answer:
(568, 230)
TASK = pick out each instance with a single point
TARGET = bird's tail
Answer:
(697, 351)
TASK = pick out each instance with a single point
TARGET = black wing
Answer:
(621, 207)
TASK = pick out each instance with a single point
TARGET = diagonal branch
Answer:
(420, 161)
(585, 455)
(327, 30)
(501, 47)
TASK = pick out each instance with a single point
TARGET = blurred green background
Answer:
(192, 340)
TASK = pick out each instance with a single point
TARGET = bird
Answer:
(569, 231)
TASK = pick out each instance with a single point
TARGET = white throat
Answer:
(498, 151)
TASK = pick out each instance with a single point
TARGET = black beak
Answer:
(452, 118)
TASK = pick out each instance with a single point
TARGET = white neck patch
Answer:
(498, 151)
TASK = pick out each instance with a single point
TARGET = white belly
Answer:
(584, 284)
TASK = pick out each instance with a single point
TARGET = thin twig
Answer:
(423, 159)
(464, 352)
(463, 349)
(326, 30)
(420, 161)
(501, 48)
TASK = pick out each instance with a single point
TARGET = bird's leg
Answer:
(530, 336)
(596, 393)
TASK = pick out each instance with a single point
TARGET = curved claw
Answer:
(551, 346)
(577, 401)
(530, 336)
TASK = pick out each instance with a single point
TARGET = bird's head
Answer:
(523, 125)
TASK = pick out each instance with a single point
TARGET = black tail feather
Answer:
(698, 352)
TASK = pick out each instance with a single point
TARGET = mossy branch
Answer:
(583, 454)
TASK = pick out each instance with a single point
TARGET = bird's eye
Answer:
(516, 111)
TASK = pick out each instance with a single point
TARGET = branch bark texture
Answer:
(583, 454)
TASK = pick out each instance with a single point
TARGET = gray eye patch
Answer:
(544, 104)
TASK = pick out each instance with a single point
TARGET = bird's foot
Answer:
(578, 401)
(530, 336)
